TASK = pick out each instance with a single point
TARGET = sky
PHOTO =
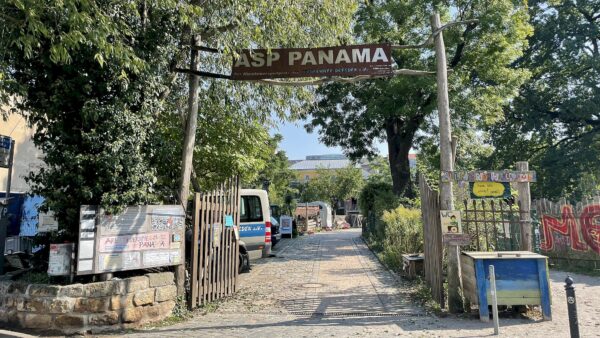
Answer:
(297, 143)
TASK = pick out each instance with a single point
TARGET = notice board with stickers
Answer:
(140, 237)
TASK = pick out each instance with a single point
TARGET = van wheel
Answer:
(244, 262)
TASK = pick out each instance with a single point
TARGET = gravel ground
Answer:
(331, 285)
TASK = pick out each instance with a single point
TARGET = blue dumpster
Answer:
(521, 279)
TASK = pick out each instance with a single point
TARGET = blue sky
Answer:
(297, 143)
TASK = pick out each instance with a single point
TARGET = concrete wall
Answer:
(84, 308)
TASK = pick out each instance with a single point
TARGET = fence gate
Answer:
(214, 263)
(494, 225)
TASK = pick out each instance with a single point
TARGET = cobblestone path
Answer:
(331, 285)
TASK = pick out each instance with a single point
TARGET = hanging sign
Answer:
(480, 190)
(450, 220)
(354, 60)
(488, 176)
(456, 239)
(5, 145)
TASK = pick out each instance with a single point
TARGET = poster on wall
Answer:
(60, 259)
(451, 221)
(138, 238)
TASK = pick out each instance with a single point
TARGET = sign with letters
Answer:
(138, 238)
(451, 221)
(256, 64)
(480, 190)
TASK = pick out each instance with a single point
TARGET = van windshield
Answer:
(251, 209)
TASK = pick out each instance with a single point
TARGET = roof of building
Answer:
(325, 164)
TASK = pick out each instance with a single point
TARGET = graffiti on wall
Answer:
(581, 233)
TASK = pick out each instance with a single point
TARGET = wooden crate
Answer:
(521, 279)
(412, 265)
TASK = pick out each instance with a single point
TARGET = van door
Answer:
(252, 222)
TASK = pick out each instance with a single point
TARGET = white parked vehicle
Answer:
(255, 224)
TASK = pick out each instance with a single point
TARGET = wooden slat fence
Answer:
(568, 232)
(215, 250)
(432, 236)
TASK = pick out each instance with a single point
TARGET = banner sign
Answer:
(140, 237)
(488, 176)
(5, 145)
(354, 60)
(480, 190)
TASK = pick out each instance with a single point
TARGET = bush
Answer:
(374, 199)
(403, 234)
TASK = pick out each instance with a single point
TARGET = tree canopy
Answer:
(399, 110)
(555, 121)
(97, 80)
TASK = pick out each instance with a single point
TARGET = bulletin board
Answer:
(140, 237)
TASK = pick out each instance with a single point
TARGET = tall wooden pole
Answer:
(189, 141)
(446, 160)
(525, 209)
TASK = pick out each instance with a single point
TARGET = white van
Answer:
(255, 223)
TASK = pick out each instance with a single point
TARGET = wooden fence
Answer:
(215, 250)
(432, 236)
(569, 233)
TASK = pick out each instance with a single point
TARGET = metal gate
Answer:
(494, 225)
(214, 263)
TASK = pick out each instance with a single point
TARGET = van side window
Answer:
(251, 209)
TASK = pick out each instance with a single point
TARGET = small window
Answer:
(251, 209)
(306, 178)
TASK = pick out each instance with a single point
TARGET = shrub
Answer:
(374, 199)
(403, 234)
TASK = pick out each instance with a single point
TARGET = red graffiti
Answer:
(589, 222)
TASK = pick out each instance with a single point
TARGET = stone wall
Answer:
(94, 307)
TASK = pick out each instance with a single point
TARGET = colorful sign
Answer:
(285, 223)
(138, 238)
(5, 145)
(451, 221)
(374, 59)
(481, 190)
(488, 176)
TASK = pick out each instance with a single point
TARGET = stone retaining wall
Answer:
(93, 307)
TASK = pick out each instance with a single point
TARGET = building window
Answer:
(306, 178)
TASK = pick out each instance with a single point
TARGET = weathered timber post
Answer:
(494, 300)
(525, 209)
(188, 148)
(5, 222)
(446, 160)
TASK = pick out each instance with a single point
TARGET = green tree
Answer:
(399, 110)
(335, 186)
(99, 82)
(555, 121)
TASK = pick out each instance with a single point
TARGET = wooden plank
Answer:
(194, 263)
(203, 248)
(237, 223)
(209, 258)
(484, 314)
(542, 265)
(221, 221)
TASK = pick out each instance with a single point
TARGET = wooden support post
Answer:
(494, 300)
(525, 209)
(187, 156)
(446, 160)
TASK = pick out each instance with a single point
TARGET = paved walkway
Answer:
(331, 285)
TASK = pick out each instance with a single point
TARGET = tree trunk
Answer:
(400, 135)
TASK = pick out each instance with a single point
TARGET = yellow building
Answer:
(27, 157)
(306, 170)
